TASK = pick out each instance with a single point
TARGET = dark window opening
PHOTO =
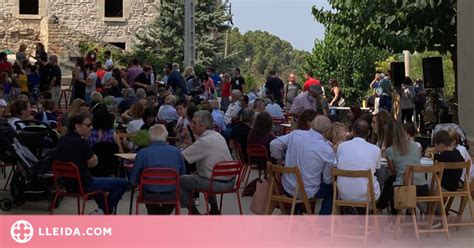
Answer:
(118, 44)
(29, 7)
(113, 8)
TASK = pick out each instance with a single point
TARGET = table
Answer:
(347, 108)
(128, 157)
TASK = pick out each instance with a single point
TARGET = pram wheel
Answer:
(6, 204)
(19, 202)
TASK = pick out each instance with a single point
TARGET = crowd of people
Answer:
(190, 121)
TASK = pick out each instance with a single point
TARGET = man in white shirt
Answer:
(209, 149)
(314, 157)
(108, 60)
(358, 154)
(234, 107)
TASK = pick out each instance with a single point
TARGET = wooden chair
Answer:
(368, 204)
(275, 195)
(463, 193)
(434, 196)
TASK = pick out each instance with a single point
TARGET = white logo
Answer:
(21, 231)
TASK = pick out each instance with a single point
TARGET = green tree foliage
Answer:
(163, 39)
(354, 67)
(396, 25)
(258, 52)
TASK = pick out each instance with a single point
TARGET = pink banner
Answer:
(210, 231)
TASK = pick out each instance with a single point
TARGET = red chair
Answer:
(240, 156)
(224, 169)
(256, 153)
(159, 176)
(63, 170)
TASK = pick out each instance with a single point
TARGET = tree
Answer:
(336, 57)
(395, 25)
(164, 37)
(258, 52)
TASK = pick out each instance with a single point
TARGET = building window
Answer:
(121, 45)
(29, 7)
(113, 8)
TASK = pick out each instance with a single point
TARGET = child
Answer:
(33, 82)
(410, 129)
(446, 152)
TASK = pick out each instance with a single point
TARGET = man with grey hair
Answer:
(158, 155)
(234, 107)
(209, 149)
(217, 115)
(314, 157)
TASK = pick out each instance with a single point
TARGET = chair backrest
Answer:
(435, 170)
(354, 174)
(66, 170)
(227, 169)
(159, 176)
(239, 152)
(257, 154)
(465, 165)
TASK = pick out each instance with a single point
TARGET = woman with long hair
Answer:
(307, 116)
(79, 76)
(226, 88)
(336, 93)
(74, 108)
(379, 125)
(401, 151)
(262, 134)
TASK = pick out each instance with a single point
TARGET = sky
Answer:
(291, 20)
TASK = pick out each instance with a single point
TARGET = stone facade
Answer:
(62, 24)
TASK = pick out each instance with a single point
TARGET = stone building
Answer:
(61, 24)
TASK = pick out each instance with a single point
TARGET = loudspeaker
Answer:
(398, 73)
(433, 72)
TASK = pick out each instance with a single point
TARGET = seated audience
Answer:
(305, 120)
(48, 116)
(135, 113)
(148, 118)
(337, 134)
(262, 134)
(314, 157)
(182, 127)
(158, 155)
(128, 100)
(446, 152)
(401, 152)
(73, 147)
(241, 130)
(234, 108)
(210, 148)
(273, 108)
(358, 154)
(20, 110)
(217, 116)
(167, 112)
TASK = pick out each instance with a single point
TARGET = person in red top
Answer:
(226, 86)
(5, 66)
(310, 81)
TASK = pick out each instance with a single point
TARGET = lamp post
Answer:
(189, 33)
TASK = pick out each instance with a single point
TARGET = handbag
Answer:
(405, 197)
(258, 205)
(341, 102)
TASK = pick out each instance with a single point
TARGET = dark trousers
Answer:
(407, 115)
(159, 209)
(387, 194)
(115, 186)
(419, 115)
(326, 193)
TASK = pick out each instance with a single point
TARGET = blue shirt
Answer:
(157, 155)
(216, 78)
(218, 118)
(175, 80)
(167, 113)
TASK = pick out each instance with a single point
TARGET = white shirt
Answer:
(232, 110)
(109, 63)
(357, 154)
(134, 125)
(466, 156)
(311, 153)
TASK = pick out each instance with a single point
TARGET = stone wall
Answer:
(62, 24)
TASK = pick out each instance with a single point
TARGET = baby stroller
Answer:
(39, 137)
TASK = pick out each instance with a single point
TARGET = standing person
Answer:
(209, 149)
(292, 89)
(310, 81)
(420, 101)
(208, 85)
(54, 79)
(133, 71)
(407, 100)
(225, 91)
(90, 82)
(108, 59)
(275, 86)
(34, 82)
(401, 152)
(79, 77)
(238, 82)
(20, 78)
(41, 53)
(384, 91)
(91, 58)
(5, 66)
(188, 75)
(21, 54)
(336, 94)
(73, 147)
(309, 99)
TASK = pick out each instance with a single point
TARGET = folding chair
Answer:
(434, 196)
(232, 169)
(63, 170)
(275, 195)
(463, 193)
(162, 177)
(368, 204)
(255, 153)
